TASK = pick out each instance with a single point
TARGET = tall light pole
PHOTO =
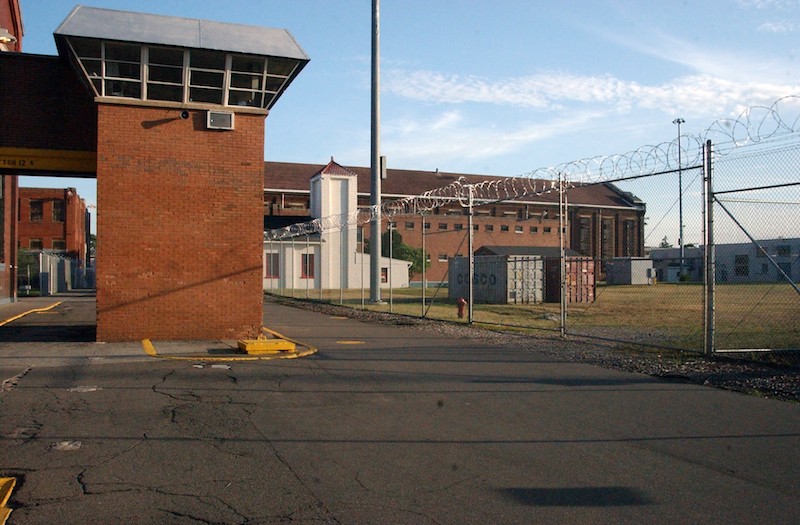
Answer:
(680, 121)
(375, 191)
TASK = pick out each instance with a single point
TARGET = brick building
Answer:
(54, 220)
(11, 33)
(603, 221)
(168, 113)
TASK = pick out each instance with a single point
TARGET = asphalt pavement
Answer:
(384, 424)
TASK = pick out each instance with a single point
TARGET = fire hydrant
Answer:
(461, 304)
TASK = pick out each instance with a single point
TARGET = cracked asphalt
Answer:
(385, 424)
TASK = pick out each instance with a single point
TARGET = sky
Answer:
(497, 88)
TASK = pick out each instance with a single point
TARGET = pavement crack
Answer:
(291, 470)
(11, 382)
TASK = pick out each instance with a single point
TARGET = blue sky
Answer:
(503, 87)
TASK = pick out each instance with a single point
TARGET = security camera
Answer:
(184, 114)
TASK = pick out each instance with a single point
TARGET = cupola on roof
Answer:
(173, 59)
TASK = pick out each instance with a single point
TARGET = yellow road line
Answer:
(6, 486)
(150, 350)
(35, 310)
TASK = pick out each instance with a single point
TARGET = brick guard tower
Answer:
(180, 147)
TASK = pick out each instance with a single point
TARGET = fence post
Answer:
(471, 255)
(562, 210)
(424, 262)
(391, 261)
(709, 280)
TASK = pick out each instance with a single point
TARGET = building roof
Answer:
(295, 177)
(335, 169)
(530, 251)
(142, 28)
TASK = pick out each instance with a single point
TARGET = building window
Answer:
(442, 225)
(59, 211)
(629, 238)
(384, 275)
(476, 227)
(116, 69)
(585, 235)
(36, 244)
(272, 267)
(741, 265)
(607, 238)
(517, 229)
(37, 211)
(533, 229)
(442, 257)
(458, 226)
(59, 245)
(123, 70)
(409, 225)
(783, 250)
(488, 227)
(427, 226)
(548, 229)
(307, 266)
(504, 227)
(427, 257)
(165, 74)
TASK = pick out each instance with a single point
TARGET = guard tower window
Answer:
(247, 81)
(206, 76)
(165, 74)
(127, 70)
(123, 70)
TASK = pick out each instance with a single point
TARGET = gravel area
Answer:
(749, 377)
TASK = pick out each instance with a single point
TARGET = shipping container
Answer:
(580, 280)
(498, 279)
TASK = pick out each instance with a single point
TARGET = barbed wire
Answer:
(754, 125)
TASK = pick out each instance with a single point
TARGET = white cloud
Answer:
(777, 27)
(769, 4)
(450, 138)
(463, 130)
(699, 94)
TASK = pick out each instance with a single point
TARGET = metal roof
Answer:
(142, 28)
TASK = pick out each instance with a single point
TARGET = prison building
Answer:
(54, 221)
(168, 114)
(602, 222)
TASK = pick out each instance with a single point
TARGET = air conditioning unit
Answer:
(219, 120)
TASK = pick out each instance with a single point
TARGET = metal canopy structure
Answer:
(180, 60)
(143, 28)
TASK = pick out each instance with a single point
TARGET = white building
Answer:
(735, 263)
(331, 259)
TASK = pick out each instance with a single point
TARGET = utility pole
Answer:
(680, 121)
(375, 187)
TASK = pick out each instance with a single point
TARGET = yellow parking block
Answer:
(264, 345)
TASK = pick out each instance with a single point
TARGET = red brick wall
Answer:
(72, 229)
(451, 242)
(8, 254)
(180, 232)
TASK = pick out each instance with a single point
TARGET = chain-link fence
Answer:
(611, 248)
(757, 248)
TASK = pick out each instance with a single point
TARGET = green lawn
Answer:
(747, 315)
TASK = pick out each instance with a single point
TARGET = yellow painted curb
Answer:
(35, 310)
(150, 350)
(6, 487)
